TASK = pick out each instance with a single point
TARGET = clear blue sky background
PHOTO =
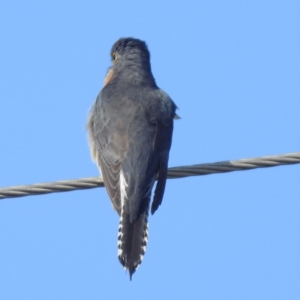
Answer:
(233, 68)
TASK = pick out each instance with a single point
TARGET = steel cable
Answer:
(176, 172)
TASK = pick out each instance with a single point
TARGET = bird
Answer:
(130, 130)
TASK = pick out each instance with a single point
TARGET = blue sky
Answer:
(233, 69)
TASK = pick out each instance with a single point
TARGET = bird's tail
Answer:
(132, 240)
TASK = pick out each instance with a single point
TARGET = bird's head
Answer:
(130, 60)
(130, 50)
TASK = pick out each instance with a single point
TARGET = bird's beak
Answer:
(108, 77)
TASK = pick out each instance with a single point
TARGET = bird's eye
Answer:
(114, 56)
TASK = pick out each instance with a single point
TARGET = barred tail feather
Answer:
(132, 240)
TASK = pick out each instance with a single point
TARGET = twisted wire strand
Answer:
(176, 172)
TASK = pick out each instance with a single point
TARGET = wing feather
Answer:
(108, 146)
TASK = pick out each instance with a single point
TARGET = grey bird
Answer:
(130, 133)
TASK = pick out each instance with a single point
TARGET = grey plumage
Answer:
(130, 133)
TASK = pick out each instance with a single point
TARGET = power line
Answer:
(176, 172)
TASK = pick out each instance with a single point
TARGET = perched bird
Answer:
(130, 133)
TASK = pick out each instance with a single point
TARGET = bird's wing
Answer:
(108, 137)
(163, 141)
(149, 144)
